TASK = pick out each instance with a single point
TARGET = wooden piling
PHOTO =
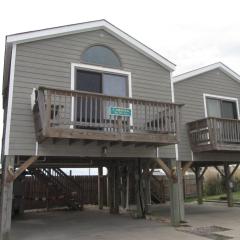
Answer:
(147, 189)
(6, 197)
(116, 188)
(100, 188)
(199, 185)
(176, 193)
(228, 185)
(138, 189)
(111, 188)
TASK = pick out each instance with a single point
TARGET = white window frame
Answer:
(94, 68)
(205, 96)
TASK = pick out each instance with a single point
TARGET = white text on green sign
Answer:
(119, 111)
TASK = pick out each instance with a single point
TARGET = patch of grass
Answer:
(219, 197)
(236, 197)
(190, 199)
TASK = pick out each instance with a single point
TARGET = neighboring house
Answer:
(86, 95)
(211, 96)
(210, 121)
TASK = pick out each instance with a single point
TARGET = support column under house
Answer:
(100, 187)
(6, 197)
(176, 193)
(173, 172)
(228, 184)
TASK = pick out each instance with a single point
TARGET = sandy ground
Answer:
(94, 224)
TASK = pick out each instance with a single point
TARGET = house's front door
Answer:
(88, 109)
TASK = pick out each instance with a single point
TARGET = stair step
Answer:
(61, 182)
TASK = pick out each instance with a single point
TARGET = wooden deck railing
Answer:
(67, 109)
(214, 134)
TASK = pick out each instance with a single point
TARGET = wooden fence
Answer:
(37, 195)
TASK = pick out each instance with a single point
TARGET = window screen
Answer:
(115, 85)
(213, 107)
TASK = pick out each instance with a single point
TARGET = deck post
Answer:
(127, 187)
(180, 190)
(148, 196)
(116, 188)
(147, 189)
(100, 187)
(6, 197)
(138, 189)
(123, 186)
(110, 188)
(228, 185)
(108, 204)
(113, 188)
(176, 194)
(199, 185)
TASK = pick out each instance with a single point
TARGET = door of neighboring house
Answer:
(221, 108)
(225, 109)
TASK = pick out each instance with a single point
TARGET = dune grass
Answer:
(220, 197)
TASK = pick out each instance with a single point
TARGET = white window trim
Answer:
(205, 96)
(10, 99)
(101, 69)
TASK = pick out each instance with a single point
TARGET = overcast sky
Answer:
(190, 33)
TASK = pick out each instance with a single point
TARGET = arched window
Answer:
(101, 55)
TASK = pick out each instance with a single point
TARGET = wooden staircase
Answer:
(157, 190)
(66, 188)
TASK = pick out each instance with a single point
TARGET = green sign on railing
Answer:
(119, 111)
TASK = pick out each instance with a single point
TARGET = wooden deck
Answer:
(77, 115)
(214, 134)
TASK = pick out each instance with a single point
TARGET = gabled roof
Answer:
(90, 26)
(196, 72)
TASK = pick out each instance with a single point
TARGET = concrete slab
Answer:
(94, 224)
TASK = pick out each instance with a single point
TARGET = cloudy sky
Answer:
(189, 33)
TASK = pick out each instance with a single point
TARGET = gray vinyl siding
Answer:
(48, 63)
(190, 92)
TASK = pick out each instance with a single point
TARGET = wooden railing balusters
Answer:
(75, 110)
(149, 117)
(100, 112)
(96, 111)
(80, 109)
(54, 109)
(219, 133)
(86, 107)
(137, 116)
(91, 111)
(145, 118)
(48, 109)
(65, 110)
